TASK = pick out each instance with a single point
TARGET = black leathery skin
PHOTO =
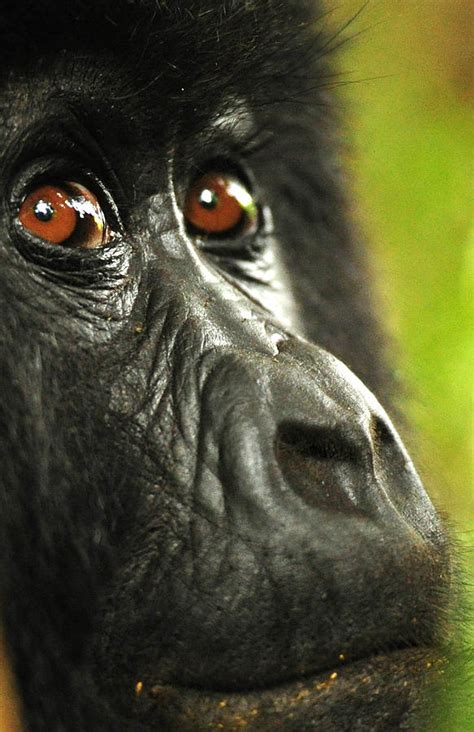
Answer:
(205, 512)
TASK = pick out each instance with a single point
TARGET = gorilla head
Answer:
(208, 521)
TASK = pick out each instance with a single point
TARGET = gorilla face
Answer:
(221, 521)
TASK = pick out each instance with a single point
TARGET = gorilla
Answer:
(208, 521)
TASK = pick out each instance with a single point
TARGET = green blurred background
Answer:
(408, 83)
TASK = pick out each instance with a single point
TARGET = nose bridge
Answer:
(297, 383)
(228, 315)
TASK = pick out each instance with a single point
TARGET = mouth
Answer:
(374, 693)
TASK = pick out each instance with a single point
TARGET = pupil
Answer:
(43, 211)
(208, 198)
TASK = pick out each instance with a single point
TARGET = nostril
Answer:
(382, 435)
(320, 464)
(321, 443)
(391, 462)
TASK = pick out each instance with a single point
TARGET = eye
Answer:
(219, 204)
(67, 214)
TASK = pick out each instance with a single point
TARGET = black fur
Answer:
(114, 400)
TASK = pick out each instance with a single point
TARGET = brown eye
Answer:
(220, 204)
(68, 214)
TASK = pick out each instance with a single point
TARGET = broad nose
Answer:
(300, 432)
(301, 494)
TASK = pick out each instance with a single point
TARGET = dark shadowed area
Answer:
(208, 520)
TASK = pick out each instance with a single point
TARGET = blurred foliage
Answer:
(408, 83)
